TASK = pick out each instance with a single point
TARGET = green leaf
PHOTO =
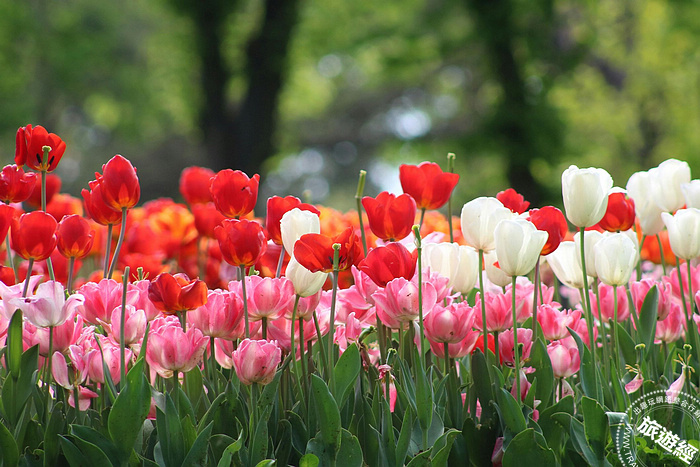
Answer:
(596, 426)
(308, 460)
(350, 453)
(198, 451)
(94, 437)
(9, 453)
(13, 351)
(211, 413)
(258, 446)
(539, 359)
(300, 435)
(266, 463)
(72, 453)
(171, 439)
(55, 426)
(230, 450)
(480, 440)
(629, 355)
(130, 409)
(269, 392)
(587, 372)
(345, 373)
(194, 386)
(404, 436)
(510, 411)
(328, 414)
(424, 396)
(648, 316)
(93, 454)
(441, 450)
(528, 448)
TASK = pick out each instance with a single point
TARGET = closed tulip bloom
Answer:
(449, 324)
(74, 237)
(97, 360)
(171, 349)
(499, 316)
(101, 298)
(506, 341)
(684, 232)
(206, 218)
(666, 181)
(585, 193)
(513, 200)
(119, 184)
(219, 316)
(691, 193)
(234, 194)
(565, 266)
(134, 324)
(256, 361)
(554, 321)
(268, 297)
(386, 263)
(48, 307)
(295, 223)
(397, 304)
(15, 184)
(606, 295)
(175, 293)
(306, 283)
(671, 328)
(592, 237)
(648, 212)
(96, 207)
(427, 184)
(551, 220)
(565, 360)
(518, 246)
(441, 258)
(242, 242)
(277, 207)
(620, 213)
(615, 258)
(467, 270)
(33, 235)
(390, 217)
(461, 348)
(194, 185)
(315, 251)
(29, 148)
(494, 273)
(479, 219)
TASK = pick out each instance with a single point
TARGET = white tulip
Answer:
(468, 270)
(666, 181)
(592, 237)
(684, 232)
(442, 258)
(493, 273)
(294, 224)
(615, 258)
(479, 219)
(585, 194)
(306, 283)
(691, 193)
(565, 265)
(648, 212)
(518, 246)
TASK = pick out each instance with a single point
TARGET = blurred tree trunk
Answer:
(240, 135)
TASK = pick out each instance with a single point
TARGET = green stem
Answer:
(76, 398)
(419, 268)
(280, 263)
(422, 216)
(358, 200)
(118, 248)
(601, 326)
(241, 271)
(516, 350)
(639, 263)
(691, 298)
(483, 303)
(264, 328)
(302, 361)
(43, 183)
(615, 334)
(324, 360)
(122, 340)
(71, 267)
(108, 247)
(661, 254)
(9, 257)
(535, 301)
(496, 348)
(30, 266)
(331, 330)
(451, 169)
(586, 297)
(176, 390)
(688, 320)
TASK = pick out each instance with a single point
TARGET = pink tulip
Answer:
(581, 329)
(565, 360)
(8, 293)
(172, 350)
(85, 395)
(554, 321)
(672, 327)
(607, 304)
(346, 333)
(101, 299)
(141, 300)
(397, 303)
(524, 387)
(268, 297)
(441, 284)
(364, 285)
(672, 279)
(676, 387)
(639, 290)
(507, 345)
(77, 374)
(134, 325)
(111, 360)
(459, 349)
(524, 297)
(449, 324)
(48, 307)
(255, 361)
(223, 350)
(634, 384)
(498, 312)
(63, 336)
(220, 316)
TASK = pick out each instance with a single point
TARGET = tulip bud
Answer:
(585, 193)
(479, 219)
(666, 181)
(306, 283)
(518, 246)
(256, 361)
(691, 193)
(615, 258)
(294, 224)
(684, 232)
(565, 265)
(648, 212)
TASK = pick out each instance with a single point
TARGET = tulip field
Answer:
(190, 333)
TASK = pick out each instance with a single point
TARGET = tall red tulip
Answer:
(315, 251)
(7, 213)
(96, 207)
(119, 184)
(242, 242)
(234, 193)
(53, 186)
(75, 237)
(29, 149)
(427, 183)
(176, 293)
(194, 185)
(276, 208)
(620, 213)
(513, 200)
(390, 217)
(33, 235)
(385, 263)
(551, 220)
(206, 218)
(16, 185)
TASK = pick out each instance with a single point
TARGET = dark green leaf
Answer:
(528, 448)
(171, 440)
(345, 373)
(648, 316)
(587, 373)
(596, 426)
(539, 359)
(328, 414)
(13, 351)
(510, 412)
(198, 451)
(9, 453)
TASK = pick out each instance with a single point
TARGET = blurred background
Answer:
(308, 92)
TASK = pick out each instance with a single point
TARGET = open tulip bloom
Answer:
(302, 341)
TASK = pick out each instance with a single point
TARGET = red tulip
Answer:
(620, 213)
(33, 235)
(75, 236)
(194, 185)
(16, 185)
(390, 217)
(29, 149)
(96, 207)
(53, 186)
(427, 184)
(276, 208)
(119, 184)
(63, 204)
(7, 213)
(385, 263)
(315, 251)
(513, 200)
(234, 193)
(206, 218)
(175, 293)
(242, 242)
(551, 220)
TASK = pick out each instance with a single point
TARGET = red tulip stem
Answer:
(9, 257)
(122, 232)
(71, 267)
(43, 180)
(516, 350)
(358, 200)
(245, 301)
(26, 280)
(122, 321)
(535, 299)
(108, 247)
(603, 337)
(419, 267)
(331, 330)
(661, 254)
(450, 168)
(280, 263)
